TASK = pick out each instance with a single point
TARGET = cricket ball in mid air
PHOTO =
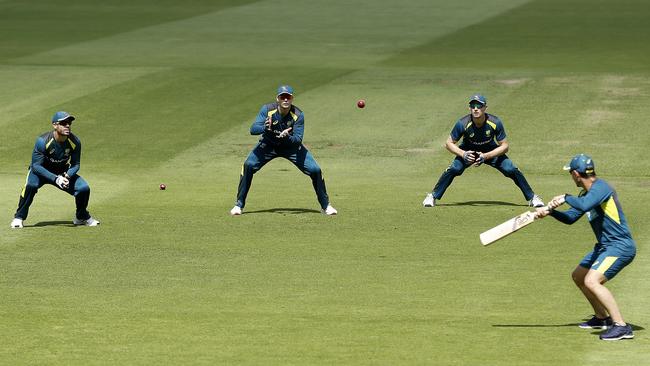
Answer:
(163, 187)
(361, 103)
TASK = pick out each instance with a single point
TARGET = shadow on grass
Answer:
(634, 327)
(52, 223)
(480, 203)
(534, 325)
(284, 211)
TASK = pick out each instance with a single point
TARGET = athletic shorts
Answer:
(607, 260)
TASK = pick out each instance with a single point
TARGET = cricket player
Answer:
(613, 251)
(55, 161)
(281, 126)
(482, 140)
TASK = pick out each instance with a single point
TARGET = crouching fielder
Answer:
(613, 251)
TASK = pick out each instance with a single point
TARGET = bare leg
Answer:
(594, 282)
(578, 276)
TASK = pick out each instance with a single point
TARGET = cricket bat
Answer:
(508, 227)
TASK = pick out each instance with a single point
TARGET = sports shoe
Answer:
(596, 323)
(90, 222)
(16, 223)
(236, 211)
(329, 211)
(536, 202)
(429, 201)
(617, 332)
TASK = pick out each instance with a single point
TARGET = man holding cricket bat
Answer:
(281, 126)
(614, 250)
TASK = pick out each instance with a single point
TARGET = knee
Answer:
(32, 186)
(250, 165)
(577, 278)
(82, 188)
(508, 168)
(592, 282)
(456, 168)
(314, 170)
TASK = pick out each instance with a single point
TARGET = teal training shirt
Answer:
(294, 119)
(604, 212)
(484, 138)
(51, 158)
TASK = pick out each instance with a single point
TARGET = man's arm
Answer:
(568, 217)
(497, 151)
(594, 197)
(75, 160)
(298, 130)
(38, 158)
(259, 125)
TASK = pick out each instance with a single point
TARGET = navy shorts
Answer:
(608, 260)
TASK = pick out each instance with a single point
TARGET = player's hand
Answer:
(283, 133)
(62, 182)
(268, 124)
(479, 158)
(557, 201)
(541, 212)
(470, 157)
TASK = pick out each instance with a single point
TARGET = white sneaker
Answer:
(429, 201)
(16, 223)
(329, 211)
(90, 222)
(236, 211)
(536, 202)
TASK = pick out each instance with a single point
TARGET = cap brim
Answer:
(68, 118)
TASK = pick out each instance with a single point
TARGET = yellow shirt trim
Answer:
(611, 210)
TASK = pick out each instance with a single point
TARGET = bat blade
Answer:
(507, 228)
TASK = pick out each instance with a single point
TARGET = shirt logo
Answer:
(487, 133)
(67, 151)
(471, 134)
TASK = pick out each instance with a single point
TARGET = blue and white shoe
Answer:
(618, 332)
(596, 323)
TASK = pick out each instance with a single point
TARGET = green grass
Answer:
(168, 97)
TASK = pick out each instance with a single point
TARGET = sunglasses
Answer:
(476, 105)
(64, 123)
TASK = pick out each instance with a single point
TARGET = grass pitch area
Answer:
(165, 92)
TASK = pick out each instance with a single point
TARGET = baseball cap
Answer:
(581, 163)
(62, 116)
(285, 89)
(478, 98)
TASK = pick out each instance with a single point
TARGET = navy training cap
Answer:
(581, 163)
(62, 116)
(478, 98)
(285, 89)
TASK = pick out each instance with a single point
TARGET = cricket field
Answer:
(165, 91)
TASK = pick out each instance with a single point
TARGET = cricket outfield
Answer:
(165, 92)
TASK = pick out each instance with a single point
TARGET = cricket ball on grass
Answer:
(162, 186)
(361, 103)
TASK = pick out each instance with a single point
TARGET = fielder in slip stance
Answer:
(55, 160)
(483, 141)
(614, 248)
(281, 125)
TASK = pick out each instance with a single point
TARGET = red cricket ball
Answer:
(163, 187)
(361, 103)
